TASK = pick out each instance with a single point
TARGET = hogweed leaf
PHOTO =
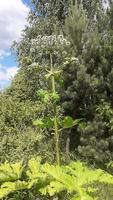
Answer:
(47, 122)
(10, 172)
(44, 95)
(55, 97)
(39, 123)
(69, 122)
(9, 187)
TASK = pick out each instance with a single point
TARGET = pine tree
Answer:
(88, 84)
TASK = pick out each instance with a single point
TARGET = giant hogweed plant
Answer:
(54, 120)
(56, 123)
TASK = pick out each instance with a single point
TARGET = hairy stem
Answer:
(55, 117)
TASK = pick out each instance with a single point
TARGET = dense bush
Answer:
(19, 138)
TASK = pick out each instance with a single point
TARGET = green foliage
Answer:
(87, 79)
(44, 123)
(68, 122)
(18, 137)
(10, 172)
(76, 24)
(48, 97)
(88, 82)
(76, 179)
(106, 113)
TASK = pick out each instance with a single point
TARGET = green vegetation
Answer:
(60, 105)
(75, 179)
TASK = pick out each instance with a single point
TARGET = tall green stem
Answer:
(55, 117)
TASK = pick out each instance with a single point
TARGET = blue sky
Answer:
(13, 14)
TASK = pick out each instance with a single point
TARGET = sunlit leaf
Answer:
(39, 123)
(67, 122)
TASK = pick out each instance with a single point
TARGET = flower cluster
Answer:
(50, 40)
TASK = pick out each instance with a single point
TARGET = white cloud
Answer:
(6, 74)
(11, 72)
(2, 76)
(4, 53)
(13, 14)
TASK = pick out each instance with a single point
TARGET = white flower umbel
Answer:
(50, 40)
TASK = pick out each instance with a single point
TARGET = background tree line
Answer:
(86, 87)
